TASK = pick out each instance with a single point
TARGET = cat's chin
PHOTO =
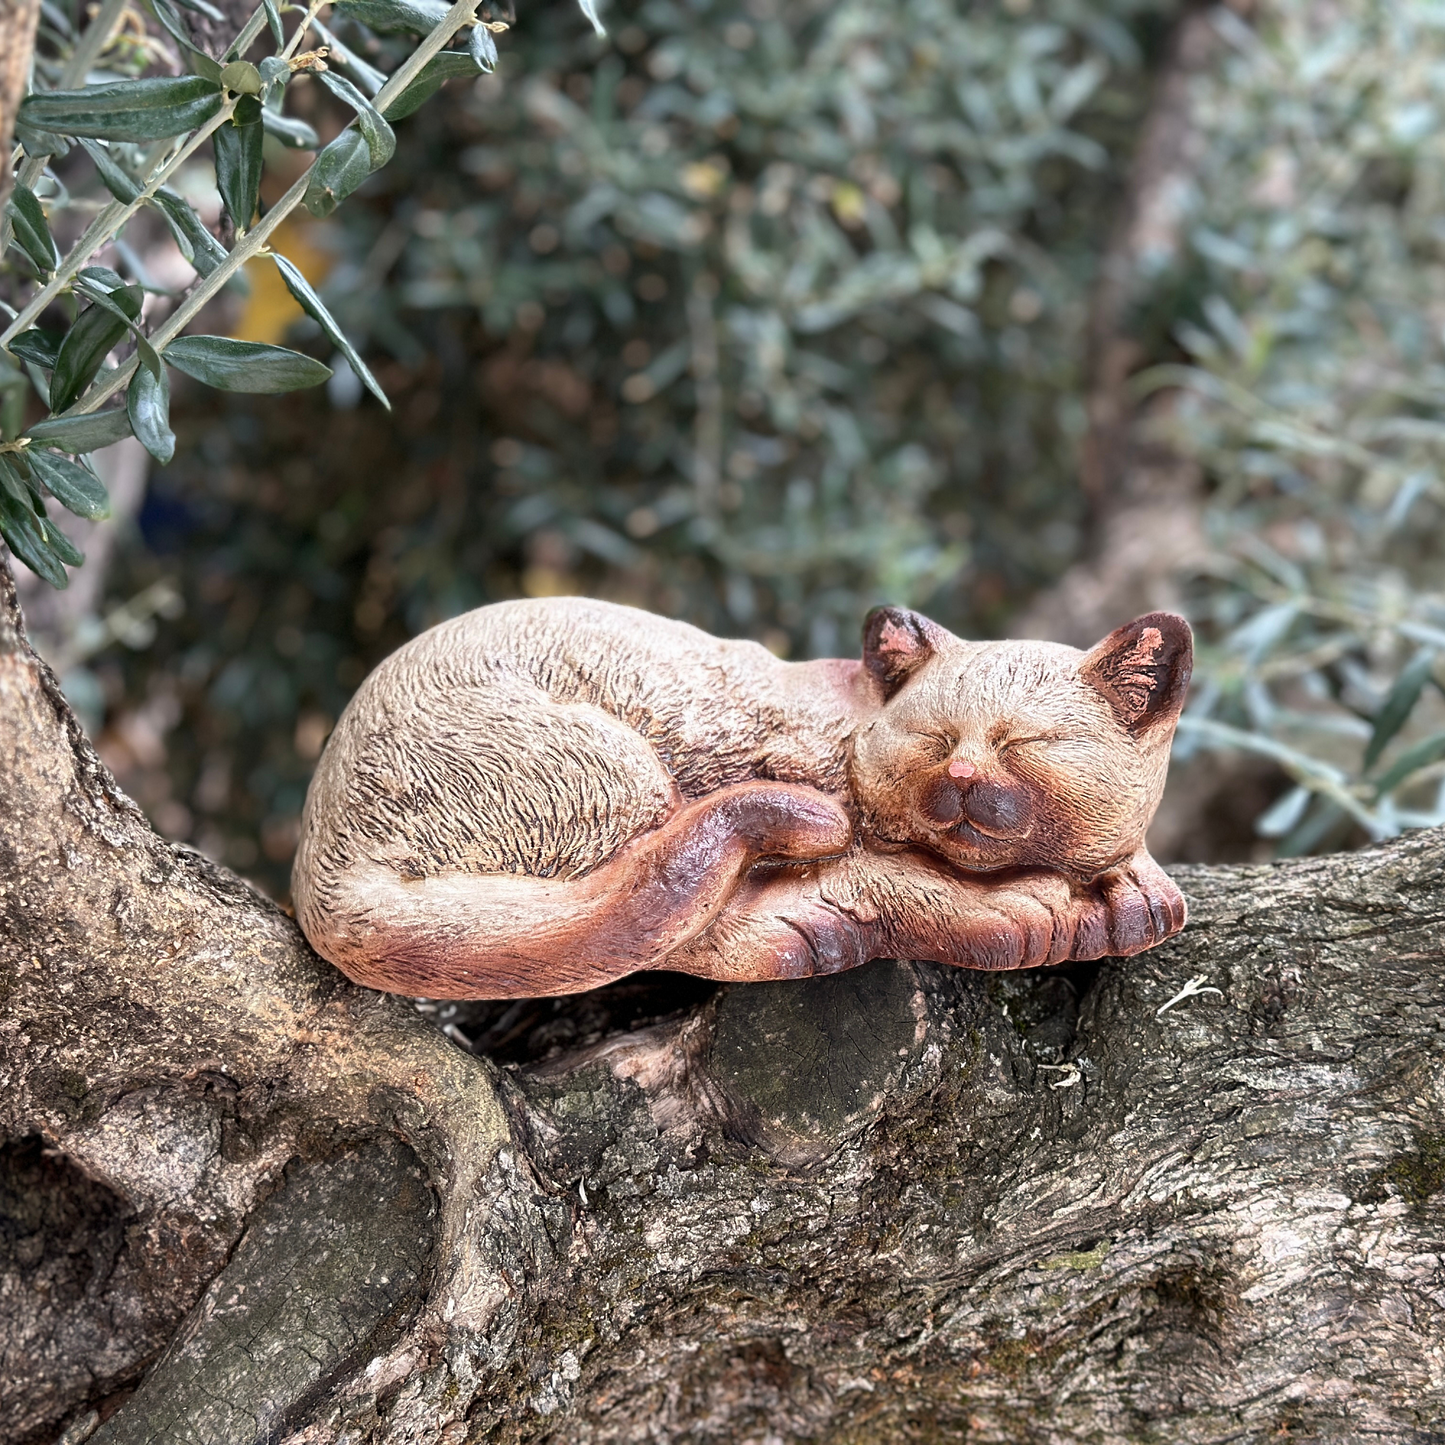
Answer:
(972, 851)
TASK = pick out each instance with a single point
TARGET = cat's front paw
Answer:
(1134, 907)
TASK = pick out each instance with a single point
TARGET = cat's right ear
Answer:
(896, 643)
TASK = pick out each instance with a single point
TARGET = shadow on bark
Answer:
(243, 1200)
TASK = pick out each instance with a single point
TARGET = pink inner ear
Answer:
(1127, 674)
(895, 640)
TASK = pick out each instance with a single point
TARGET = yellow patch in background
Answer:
(270, 310)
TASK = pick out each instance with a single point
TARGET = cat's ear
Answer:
(896, 643)
(1143, 670)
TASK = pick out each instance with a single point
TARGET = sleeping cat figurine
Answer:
(541, 796)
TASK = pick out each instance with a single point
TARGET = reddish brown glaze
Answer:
(539, 797)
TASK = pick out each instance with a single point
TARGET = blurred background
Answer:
(1031, 314)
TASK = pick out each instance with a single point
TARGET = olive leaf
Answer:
(40, 345)
(1396, 709)
(172, 23)
(443, 66)
(315, 308)
(253, 366)
(390, 16)
(191, 233)
(12, 481)
(288, 130)
(116, 181)
(200, 7)
(84, 349)
(100, 279)
(38, 142)
(148, 406)
(78, 434)
(380, 138)
(367, 76)
(238, 161)
(1421, 755)
(155, 108)
(30, 229)
(76, 489)
(273, 19)
(242, 77)
(61, 545)
(339, 169)
(24, 532)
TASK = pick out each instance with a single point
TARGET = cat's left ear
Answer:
(1143, 670)
(896, 643)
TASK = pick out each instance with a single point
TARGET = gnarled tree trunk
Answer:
(243, 1200)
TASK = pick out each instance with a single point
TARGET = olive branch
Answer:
(138, 133)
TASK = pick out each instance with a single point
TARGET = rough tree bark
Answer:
(18, 19)
(243, 1200)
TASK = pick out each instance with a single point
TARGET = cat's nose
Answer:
(961, 768)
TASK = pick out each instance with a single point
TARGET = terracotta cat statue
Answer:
(541, 796)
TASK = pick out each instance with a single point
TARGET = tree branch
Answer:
(902, 1203)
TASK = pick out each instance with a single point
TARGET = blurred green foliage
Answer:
(774, 311)
(1311, 306)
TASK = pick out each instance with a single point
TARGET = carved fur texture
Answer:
(539, 797)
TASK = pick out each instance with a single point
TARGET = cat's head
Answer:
(1018, 754)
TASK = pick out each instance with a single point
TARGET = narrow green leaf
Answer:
(379, 135)
(116, 181)
(1396, 709)
(156, 108)
(22, 531)
(191, 233)
(40, 143)
(79, 434)
(443, 66)
(238, 161)
(418, 17)
(61, 545)
(200, 7)
(273, 19)
(84, 349)
(231, 365)
(315, 308)
(76, 489)
(148, 355)
(340, 168)
(482, 47)
(31, 232)
(40, 344)
(205, 66)
(289, 131)
(148, 403)
(100, 278)
(368, 77)
(1421, 755)
(172, 23)
(12, 482)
